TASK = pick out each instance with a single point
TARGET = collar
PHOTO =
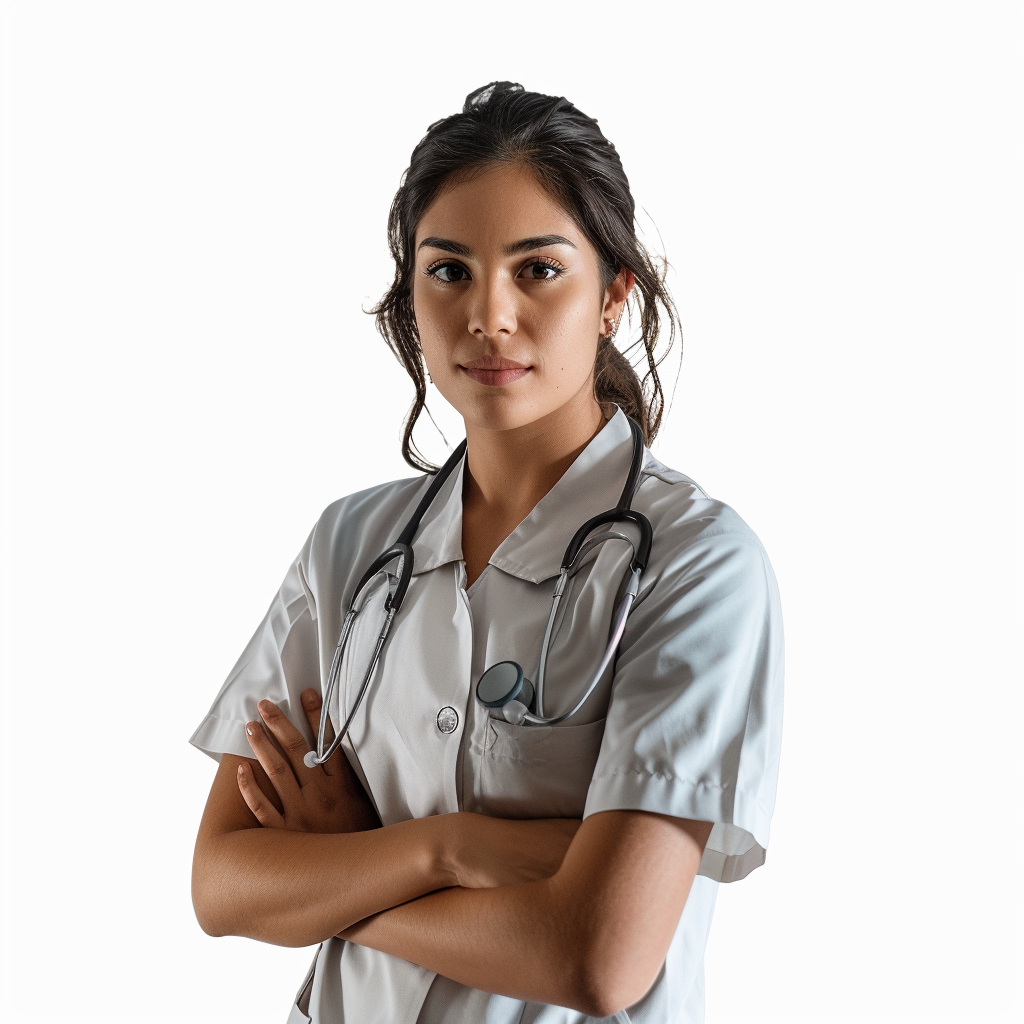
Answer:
(534, 549)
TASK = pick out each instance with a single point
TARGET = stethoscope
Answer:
(503, 687)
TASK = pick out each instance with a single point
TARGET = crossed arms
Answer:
(550, 910)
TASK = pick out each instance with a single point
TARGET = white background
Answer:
(194, 207)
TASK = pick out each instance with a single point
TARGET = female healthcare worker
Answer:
(474, 852)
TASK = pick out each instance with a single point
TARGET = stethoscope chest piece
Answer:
(503, 686)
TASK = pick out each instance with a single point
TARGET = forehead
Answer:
(494, 205)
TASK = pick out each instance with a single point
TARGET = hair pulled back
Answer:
(503, 123)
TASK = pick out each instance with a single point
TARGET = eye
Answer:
(542, 270)
(447, 273)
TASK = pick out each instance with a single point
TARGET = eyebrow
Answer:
(523, 245)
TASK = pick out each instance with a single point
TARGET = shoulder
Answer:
(696, 535)
(709, 600)
(355, 528)
(370, 504)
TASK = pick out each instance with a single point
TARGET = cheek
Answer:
(421, 311)
(436, 329)
(430, 325)
(569, 337)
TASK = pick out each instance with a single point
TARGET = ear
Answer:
(615, 295)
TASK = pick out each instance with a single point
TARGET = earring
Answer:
(613, 327)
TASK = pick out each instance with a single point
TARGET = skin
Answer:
(543, 308)
(552, 910)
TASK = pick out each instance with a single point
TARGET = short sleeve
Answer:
(694, 725)
(279, 662)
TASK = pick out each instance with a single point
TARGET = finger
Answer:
(256, 800)
(278, 770)
(313, 703)
(294, 745)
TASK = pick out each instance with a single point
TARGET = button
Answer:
(447, 720)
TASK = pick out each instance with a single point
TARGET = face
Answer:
(509, 302)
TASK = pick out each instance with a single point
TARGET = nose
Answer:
(492, 310)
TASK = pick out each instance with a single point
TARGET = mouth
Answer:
(494, 371)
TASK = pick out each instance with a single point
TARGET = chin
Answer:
(500, 411)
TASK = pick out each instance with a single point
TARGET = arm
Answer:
(298, 888)
(308, 873)
(592, 937)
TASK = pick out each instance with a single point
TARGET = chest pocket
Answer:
(539, 771)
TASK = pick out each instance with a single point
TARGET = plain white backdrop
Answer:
(194, 201)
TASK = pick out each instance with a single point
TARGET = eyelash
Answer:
(431, 271)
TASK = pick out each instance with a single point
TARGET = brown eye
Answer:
(448, 273)
(540, 271)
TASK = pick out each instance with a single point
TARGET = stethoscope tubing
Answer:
(402, 550)
(620, 625)
(313, 757)
(578, 546)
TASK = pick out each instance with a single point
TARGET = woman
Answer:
(459, 862)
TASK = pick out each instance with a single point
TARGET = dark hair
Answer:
(502, 122)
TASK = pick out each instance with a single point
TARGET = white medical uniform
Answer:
(687, 720)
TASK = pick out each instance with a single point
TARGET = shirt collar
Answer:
(534, 549)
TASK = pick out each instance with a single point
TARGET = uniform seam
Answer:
(649, 471)
(660, 775)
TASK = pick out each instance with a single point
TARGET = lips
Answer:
(494, 371)
(495, 378)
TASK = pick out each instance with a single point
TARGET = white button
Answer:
(447, 720)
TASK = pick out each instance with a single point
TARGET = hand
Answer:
(327, 798)
(504, 851)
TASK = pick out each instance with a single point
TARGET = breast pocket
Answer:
(538, 771)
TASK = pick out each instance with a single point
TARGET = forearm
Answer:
(514, 940)
(297, 888)
(593, 936)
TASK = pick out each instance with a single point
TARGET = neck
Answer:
(509, 471)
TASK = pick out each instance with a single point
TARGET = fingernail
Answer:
(265, 707)
(309, 698)
(250, 728)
